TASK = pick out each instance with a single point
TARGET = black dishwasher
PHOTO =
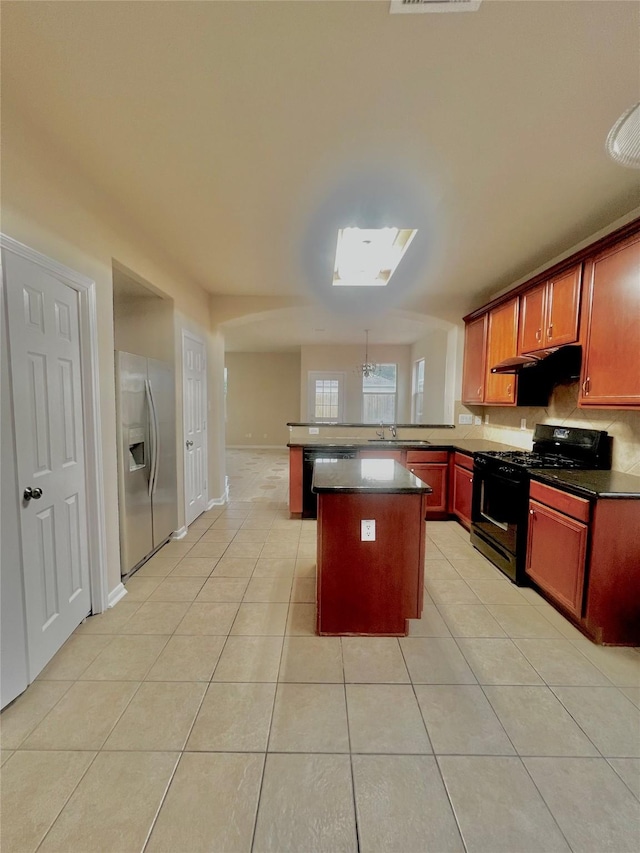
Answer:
(309, 457)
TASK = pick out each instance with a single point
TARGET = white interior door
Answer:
(44, 344)
(195, 426)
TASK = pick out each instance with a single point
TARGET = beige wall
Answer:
(144, 326)
(345, 359)
(263, 393)
(433, 348)
(48, 205)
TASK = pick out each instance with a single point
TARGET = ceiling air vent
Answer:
(416, 7)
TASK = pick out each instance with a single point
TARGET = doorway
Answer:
(51, 414)
(194, 405)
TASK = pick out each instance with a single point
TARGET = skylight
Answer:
(368, 257)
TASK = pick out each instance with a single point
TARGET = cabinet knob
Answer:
(549, 331)
(509, 387)
(585, 385)
(539, 335)
(532, 512)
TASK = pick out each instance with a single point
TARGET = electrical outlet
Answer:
(486, 418)
(523, 423)
(314, 430)
(368, 530)
(465, 419)
(477, 420)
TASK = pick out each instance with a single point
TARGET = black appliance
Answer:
(310, 456)
(500, 498)
(539, 373)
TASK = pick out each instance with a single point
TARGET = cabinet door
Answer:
(473, 371)
(435, 474)
(611, 364)
(502, 343)
(295, 479)
(532, 319)
(462, 491)
(396, 455)
(556, 555)
(563, 307)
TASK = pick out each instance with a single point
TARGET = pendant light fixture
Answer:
(367, 368)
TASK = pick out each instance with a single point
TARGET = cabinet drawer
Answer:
(562, 501)
(426, 456)
(463, 460)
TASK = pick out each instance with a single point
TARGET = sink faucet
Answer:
(393, 430)
(380, 432)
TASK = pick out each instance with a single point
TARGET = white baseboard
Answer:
(180, 534)
(116, 594)
(221, 500)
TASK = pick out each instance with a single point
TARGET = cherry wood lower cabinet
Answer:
(295, 480)
(462, 486)
(432, 467)
(585, 557)
(370, 588)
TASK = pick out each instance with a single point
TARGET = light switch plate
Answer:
(477, 420)
(314, 430)
(465, 419)
(368, 530)
(523, 423)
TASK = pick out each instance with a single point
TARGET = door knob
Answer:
(30, 494)
(189, 444)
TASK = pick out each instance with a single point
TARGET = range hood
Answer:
(564, 362)
(539, 373)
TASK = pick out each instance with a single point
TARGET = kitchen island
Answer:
(371, 541)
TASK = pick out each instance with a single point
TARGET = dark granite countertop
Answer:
(365, 476)
(470, 445)
(591, 484)
(369, 425)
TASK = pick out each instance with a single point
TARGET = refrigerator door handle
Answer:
(153, 424)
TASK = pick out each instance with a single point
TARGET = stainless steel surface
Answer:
(165, 490)
(147, 486)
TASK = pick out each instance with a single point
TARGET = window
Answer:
(379, 395)
(417, 392)
(326, 397)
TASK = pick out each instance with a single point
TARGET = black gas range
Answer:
(501, 488)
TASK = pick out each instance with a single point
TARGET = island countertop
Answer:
(366, 476)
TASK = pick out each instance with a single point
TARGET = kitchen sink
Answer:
(393, 442)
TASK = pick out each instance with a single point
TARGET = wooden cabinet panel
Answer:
(463, 460)
(435, 474)
(424, 456)
(532, 319)
(502, 343)
(563, 308)
(611, 362)
(556, 555)
(474, 365)
(562, 501)
(295, 480)
(462, 491)
(549, 312)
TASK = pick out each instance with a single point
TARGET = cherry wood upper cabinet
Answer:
(474, 367)
(502, 343)
(549, 312)
(611, 315)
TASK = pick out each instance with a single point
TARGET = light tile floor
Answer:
(202, 713)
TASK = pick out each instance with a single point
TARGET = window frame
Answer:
(393, 394)
(323, 375)
(415, 391)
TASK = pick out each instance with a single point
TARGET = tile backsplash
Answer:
(504, 424)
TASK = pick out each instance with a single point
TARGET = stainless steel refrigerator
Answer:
(147, 484)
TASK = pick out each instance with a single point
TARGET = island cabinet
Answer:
(611, 361)
(462, 488)
(475, 355)
(502, 343)
(371, 540)
(584, 556)
(549, 312)
(431, 466)
(295, 480)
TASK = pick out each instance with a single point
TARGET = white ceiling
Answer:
(241, 135)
